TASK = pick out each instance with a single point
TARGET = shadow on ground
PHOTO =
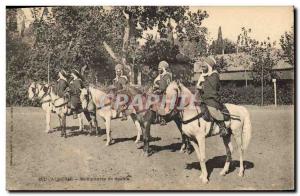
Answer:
(218, 162)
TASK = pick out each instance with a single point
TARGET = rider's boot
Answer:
(162, 121)
(75, 115)
(223, 129)
(124, 116)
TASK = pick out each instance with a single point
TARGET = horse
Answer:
(196, 128)
(51, 103)
(103, 103)
(142, 117)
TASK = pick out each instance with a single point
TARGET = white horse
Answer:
(195, 127)
(104, 109)
(46, 97)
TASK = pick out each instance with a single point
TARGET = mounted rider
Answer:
(76, 85)
(62, 83)
(209, 86)
(161, 83)
(119, 83)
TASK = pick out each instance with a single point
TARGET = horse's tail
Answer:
(247, 129)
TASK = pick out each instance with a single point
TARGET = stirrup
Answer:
(124, 117)
(75, 116)
(163, 122)
(223, 132)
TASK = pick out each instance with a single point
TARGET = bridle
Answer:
(36, 92)
(178, 100)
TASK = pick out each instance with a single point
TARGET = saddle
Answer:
(208, 117)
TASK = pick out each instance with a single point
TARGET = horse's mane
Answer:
(175, 84)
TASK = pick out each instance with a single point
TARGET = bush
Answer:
(251, 95)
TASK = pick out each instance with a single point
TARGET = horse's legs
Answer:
(200, 152)
(94, 119)
(108, 131)
(203, 174)
(60, 125)
(138, 127)
(229, 149)
(237, 133)
(80, 119)
(185, 141)
(201, 143)
(238, 139)
(48, 119)
(146, 132)
(64, 119)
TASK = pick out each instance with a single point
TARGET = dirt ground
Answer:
(40, 161)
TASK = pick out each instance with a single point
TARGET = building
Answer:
(238, 70)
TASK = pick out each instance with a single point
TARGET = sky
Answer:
(264, 21)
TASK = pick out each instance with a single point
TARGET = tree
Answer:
(141, 18)
(244, 41)
(219, 43)
(229, 46)
(264, 58)
(287, 44)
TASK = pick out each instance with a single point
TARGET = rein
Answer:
(197, 117)
(36, 92)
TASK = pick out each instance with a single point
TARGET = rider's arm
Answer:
(200, 81)
(164, 82)
(214, 81)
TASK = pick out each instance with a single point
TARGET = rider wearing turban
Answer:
(75, 89)
(209, 84)
(164, 78)
(120, 81)
(161, 83)
(62, 83)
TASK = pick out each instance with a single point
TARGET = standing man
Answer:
(209, 85)
(161, 83)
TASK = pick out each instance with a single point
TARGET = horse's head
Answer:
(84, 97)
(172, 95)
(32, 91)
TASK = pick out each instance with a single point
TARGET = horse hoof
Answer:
(223, 173)
(145, 154)
(108, 143)
(139, 145)
(182, 151)
(204, 179)
(241, 174)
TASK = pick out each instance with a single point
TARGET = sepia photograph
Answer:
(150, 98)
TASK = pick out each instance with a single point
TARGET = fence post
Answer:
(275, 91)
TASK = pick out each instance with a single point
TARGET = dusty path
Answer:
(37, 160)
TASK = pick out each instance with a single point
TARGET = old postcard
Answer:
(150, 98)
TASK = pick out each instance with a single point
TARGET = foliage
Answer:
(287, 44)
(251, 95)
(221, 64)
(264, 58)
